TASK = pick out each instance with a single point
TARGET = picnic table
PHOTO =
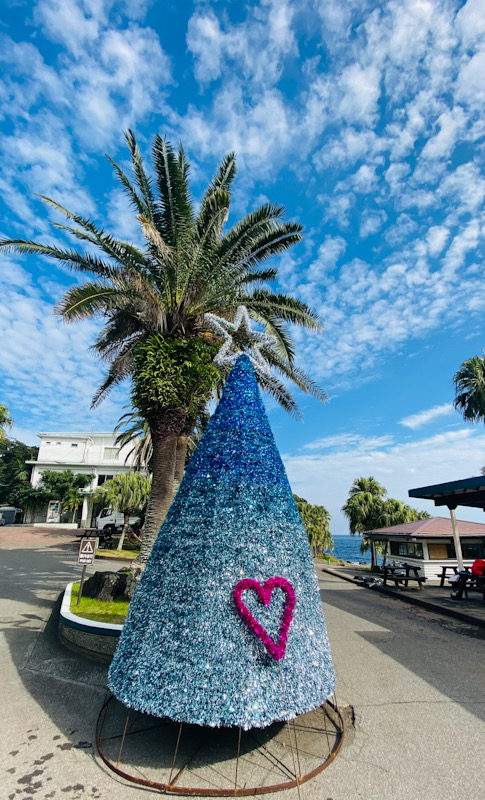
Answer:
(400, 574)
(442, 575)
(466, 581)
(104, 537)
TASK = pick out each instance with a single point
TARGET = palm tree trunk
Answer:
(165, 430)
(126, 522)
(180, 461)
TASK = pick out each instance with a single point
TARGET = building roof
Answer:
(76, 434)
(465, 492)
(433, 528)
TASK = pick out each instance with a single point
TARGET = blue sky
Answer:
(366, 119)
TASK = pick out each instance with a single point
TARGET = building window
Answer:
(73, 444)
(103, 478)
(472, 550)
(409, 549)
(111, 452)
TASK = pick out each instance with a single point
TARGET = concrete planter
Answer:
(97, 640)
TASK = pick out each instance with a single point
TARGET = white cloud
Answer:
(361, 91)
(327, 478)
(371, 222)
(49, 373)
(265, 135)
(328, 254)
(470, 87)
(353, 441)
(452, 124)
(415, 421)
(471, 22)
(437, 237)
(73, 24)
(266, 31)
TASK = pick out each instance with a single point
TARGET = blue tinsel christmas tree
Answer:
(185, 651)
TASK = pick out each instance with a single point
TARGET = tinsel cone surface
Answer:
(185, 651)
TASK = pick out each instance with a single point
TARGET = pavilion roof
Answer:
(464, 492)
(435, 527)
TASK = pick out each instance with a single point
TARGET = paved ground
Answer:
(431, 596)
(415, 679)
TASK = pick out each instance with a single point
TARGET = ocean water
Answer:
(348, 549)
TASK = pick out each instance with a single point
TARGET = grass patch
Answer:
(106, 553)
(98, 610)
(328, 557)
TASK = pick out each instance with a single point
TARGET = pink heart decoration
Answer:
(264, 596)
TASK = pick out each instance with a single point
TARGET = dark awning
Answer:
(467, 492)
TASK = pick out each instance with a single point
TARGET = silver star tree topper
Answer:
(231, 348)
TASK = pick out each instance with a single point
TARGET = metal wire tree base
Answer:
(228, 762)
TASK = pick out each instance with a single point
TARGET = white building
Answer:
(87, 453)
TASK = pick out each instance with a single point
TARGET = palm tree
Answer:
(5, 420)
(72, 501)
(136, 433)
(365, 503)
(469, 384)
(155, 299)
(127, 493)
(369, 485)
(316, 520)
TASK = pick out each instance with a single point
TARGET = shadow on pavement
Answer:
(447, 655)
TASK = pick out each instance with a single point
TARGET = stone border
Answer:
(96, 640)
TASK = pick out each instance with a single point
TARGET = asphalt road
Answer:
(416, 681)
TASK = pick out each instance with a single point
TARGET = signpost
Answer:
(87, 549)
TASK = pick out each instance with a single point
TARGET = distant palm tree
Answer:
(5, 420)
(128, 493)
(72, 501)
(134, 430)
(469, 384)
(369, 485)
(155, 299)
(365, 503)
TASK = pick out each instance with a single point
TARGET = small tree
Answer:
(367, 508)
(14, 472)
(127, 493)
(71, 502)
(469, 383)
(61, 484)
(316, 520)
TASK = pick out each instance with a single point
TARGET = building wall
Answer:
(93, 453)
(89, 454)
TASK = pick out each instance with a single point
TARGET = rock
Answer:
(132, 581)
(105, 586)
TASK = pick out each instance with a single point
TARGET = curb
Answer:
(96, 640)
(415, 601)
(83, 624)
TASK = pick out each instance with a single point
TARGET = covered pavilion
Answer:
(466, 492)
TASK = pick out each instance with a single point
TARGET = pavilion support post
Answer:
(456, 538)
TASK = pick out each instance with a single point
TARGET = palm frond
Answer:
(85, 301)
(297, 375)
(284, 346)
(276, 389)
(259, 276)
(281, 306)
(174, 200)
(135, 198)
(119, 370)
(143, 181)
(71, 258)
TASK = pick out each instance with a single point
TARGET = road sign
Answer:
(87, 549)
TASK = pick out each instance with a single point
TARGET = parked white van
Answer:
(113, 520)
